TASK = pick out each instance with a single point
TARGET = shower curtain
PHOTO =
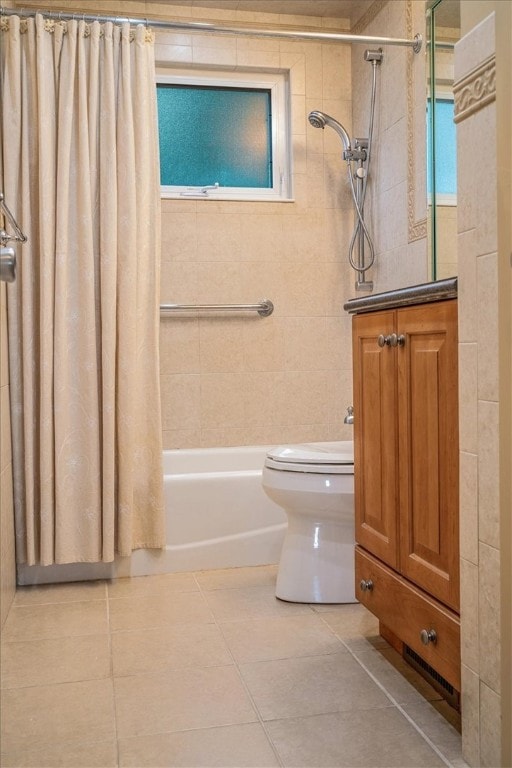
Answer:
(80, 170)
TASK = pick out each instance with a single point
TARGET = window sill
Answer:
(227, 197)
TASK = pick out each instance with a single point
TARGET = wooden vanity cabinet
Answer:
(406, 475)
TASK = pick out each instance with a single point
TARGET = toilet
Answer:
(314, 484)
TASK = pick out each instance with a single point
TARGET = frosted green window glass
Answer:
(214, 134)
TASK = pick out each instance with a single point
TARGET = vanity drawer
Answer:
(411, 614)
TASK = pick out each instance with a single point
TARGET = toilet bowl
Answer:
(314, 484)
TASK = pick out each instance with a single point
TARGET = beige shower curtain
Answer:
(80, 170)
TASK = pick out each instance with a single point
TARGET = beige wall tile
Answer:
(221, 345)
(487, 336)
(178, 283)
(180, 401)
(474, 48)
(222, 400)
(181, 438)
(490, 727)
(488, 473)
(468, 421)
(470, 646)
(175, 54)
(258, 58)
(214, 57)
(467, 286)
(470, 705)
(489, 614)
(468, 505)
(179, 344)
(179, 235)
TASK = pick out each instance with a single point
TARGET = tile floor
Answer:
(208, 669)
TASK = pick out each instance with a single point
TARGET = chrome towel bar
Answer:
(264, 308)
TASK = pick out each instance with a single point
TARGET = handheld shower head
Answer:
(320, 120)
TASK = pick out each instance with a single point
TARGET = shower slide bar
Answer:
(264, 308)
(192, 26)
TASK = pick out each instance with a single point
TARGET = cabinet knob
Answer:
(366, 585)
(391, 340)
(428, 636)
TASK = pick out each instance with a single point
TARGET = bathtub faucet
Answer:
(349, 418)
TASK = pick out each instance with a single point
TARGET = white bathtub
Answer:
(217, 516)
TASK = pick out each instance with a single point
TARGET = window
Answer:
(445, 145)
(223, 137)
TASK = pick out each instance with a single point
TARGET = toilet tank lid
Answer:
(314, 453)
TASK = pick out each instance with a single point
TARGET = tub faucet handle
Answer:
(349, 418)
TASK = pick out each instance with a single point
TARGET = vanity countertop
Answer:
(438, 290)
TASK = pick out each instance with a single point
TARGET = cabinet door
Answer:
(428, 448)
(375, 436)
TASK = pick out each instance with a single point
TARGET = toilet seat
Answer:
(320, 458)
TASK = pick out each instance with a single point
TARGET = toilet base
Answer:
(317, 562)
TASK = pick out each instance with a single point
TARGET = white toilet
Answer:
(314, 484)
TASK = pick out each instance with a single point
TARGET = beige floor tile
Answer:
(405, 686)
(160, 610)
(56, 620)
(146, 586)
(370, 739)
(61, 593)
(279, 638)
(43, 715)
(436, 727)
(69, 592)
(310, 685)
(350, 621)
(152, 650)
(232, 746)
(235, 578)
(250, 603)
(58, 660)
(180, 700)
(102, 755)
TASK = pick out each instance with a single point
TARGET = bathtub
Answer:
(217, 516)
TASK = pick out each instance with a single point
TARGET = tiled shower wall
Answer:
(396, 201)
(248, 380)
(288, 378)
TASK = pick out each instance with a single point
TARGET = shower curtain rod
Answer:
(330, 37)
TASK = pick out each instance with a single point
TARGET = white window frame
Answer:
(277, 84)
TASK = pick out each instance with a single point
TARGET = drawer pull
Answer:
(366, 585)
(428, 636)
